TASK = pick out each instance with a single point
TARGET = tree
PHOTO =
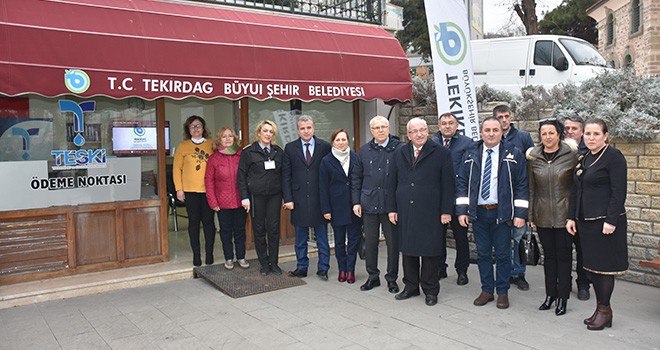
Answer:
(570, 18)
(415, 33)
(526, 10)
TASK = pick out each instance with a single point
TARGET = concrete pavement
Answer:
(191, 314)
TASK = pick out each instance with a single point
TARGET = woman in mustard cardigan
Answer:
(188, 170)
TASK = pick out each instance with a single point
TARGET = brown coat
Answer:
(550, 185)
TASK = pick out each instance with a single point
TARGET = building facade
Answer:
(629, 33)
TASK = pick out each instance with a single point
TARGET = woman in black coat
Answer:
(260, 187)
(335, 192)
(597, 213)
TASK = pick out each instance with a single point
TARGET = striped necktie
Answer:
(485, 182)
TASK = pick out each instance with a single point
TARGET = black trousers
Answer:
(265, 211)
(582, 278)
(558, 260)
(462, 247)
(199, 211)
(232, 232)
(424, 275)
(372, 224)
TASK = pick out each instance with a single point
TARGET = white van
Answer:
(512, 63)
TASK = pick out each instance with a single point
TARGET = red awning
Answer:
(151, 49)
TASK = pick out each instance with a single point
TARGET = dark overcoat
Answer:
(424, 190)
(300, 182)
(335, 189)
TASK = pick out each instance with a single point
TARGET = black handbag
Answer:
(362, 246)
(529, 249)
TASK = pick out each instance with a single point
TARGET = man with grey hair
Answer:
(300, 189)
(368, 195)
(422, 184)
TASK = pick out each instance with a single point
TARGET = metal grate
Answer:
(240, 282)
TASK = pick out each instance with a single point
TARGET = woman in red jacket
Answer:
(222, 194)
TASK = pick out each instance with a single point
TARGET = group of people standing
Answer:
(572, 190)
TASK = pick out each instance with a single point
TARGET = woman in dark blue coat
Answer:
(335, 192)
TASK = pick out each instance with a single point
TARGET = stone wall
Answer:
(643, 200)
(643, 46)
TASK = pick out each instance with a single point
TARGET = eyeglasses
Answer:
(195, 126)
(418, 131)
(381, 127)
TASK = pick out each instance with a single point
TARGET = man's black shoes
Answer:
(462, 279)
(370, 284)
(392, 287)
(431, 300)
(323, 274)
(406, 294)
(298, 273)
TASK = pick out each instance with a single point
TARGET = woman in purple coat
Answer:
(335, 194)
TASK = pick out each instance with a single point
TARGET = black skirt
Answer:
(604, 254)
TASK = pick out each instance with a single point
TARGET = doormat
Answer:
(240, 282)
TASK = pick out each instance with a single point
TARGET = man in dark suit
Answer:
(449, 137)
(300, 187)
(423, 185)
(574, 130)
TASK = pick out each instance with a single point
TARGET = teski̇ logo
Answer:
(76, 80)
(450, 43)
(139, 131)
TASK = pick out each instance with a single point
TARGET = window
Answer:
(547, 53)
(610, 29)
(628, 61)
(61, 151)
(635, 16)
(583, 53)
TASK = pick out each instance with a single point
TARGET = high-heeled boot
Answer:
(561, 307)
(547, 304)
(603, 319)
(592, 317)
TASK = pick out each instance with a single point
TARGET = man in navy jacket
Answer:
(300, 187)
(492, 192)
(523, 141)
(450, 138)
(369, 194)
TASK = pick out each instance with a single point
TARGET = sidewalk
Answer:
(191, 314)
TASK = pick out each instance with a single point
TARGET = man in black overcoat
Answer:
(423, 183)
(300, 187)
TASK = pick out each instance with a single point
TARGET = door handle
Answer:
(521, 73)
(532, 72)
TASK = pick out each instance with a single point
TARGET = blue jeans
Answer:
(489, 235)
(517, 268)
(321, 243)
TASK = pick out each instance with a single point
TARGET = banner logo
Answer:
(450, 42)
(139, 131)
(76, 80)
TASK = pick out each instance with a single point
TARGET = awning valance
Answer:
(152, 48)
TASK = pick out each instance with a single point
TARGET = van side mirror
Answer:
(561, 64)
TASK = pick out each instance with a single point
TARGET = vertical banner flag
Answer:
(452, 63)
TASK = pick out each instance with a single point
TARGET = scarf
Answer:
(343, 157)
(231, 150)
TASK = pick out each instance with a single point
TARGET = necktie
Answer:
(416, 153)
(446, 143)
(485, 182)
(267, 152)
(308, 155)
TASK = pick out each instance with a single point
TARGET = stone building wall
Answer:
(642, 203)
(643, 46)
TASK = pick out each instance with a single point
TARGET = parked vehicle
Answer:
(512, 63)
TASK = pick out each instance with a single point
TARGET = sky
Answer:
(495, 11)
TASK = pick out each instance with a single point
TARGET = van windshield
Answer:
(583, 53)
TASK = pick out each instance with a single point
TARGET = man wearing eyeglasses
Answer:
(368, 194)
(522, 140)
(422, 184)
(449, 137)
